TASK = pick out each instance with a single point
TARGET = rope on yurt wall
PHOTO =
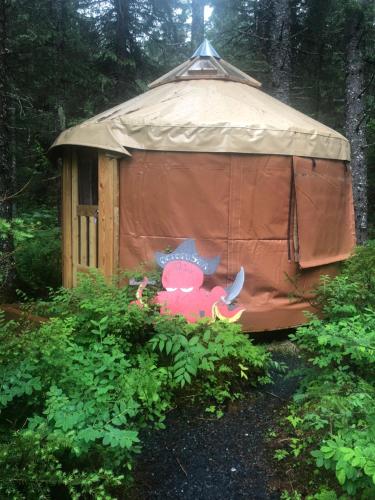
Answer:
(290, 210)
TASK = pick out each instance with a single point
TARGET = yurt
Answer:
(205, 154)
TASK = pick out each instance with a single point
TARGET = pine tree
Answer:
(197, 23)
(6, 164)
(355, 111)
(281, 50)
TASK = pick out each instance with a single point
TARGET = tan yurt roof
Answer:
(207, 105)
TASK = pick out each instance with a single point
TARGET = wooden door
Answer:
(85, 220)
(90, 213)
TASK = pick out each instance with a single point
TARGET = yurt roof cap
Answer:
(206, 64)
(207, 105)
(205, 49)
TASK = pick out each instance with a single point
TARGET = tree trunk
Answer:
(7, 273)
(264, 19)
(197, 23)
(125, 49)
(355, 117)
(122, 29)
(281, 50)
(61, 13)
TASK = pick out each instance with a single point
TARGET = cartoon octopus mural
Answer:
(182, 278)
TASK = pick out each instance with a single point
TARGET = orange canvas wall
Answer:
(324, 211)
(252, 210)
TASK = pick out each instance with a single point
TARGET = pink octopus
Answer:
(182, 279)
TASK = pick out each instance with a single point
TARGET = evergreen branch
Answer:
(3, 199)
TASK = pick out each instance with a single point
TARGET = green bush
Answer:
(335, 404)
(38, 256)
(353, 291)
(345, 344)
(337, 398)
(37, 251)
(212, 357)
(76, 392)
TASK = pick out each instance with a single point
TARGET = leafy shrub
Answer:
(38, 252)
(351, 455)
(338, 398)
(348, 343)
(353, 291)
(335, 404)
(76, 392)
(106, 305)
(84, 402)
(212, 356)
(16, 229)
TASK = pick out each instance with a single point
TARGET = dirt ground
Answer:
(200, 457)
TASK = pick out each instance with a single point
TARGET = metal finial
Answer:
(205, 49)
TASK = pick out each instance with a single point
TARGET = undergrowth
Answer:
(36, 256)
(76, 391)
(332, 420)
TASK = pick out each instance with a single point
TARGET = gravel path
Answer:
(203, 458)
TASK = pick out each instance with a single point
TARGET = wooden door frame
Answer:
(108, 216)
(66, 214)
(108, 178)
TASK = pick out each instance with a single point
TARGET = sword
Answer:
(234, 290)
(145, 281)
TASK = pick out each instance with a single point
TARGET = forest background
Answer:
(62, 61)
(71, 399)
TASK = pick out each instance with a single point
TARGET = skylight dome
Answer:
(205, 49)
(206, 64)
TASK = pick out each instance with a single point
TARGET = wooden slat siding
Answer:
(93, 242)
(83, 269)
(83, 240)
(116, 235)
(75, 239)
(79, 259)
(116, 216)
(97, 240)
(88, 210)
(67, 263)
(108, 207)
(87, 236)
